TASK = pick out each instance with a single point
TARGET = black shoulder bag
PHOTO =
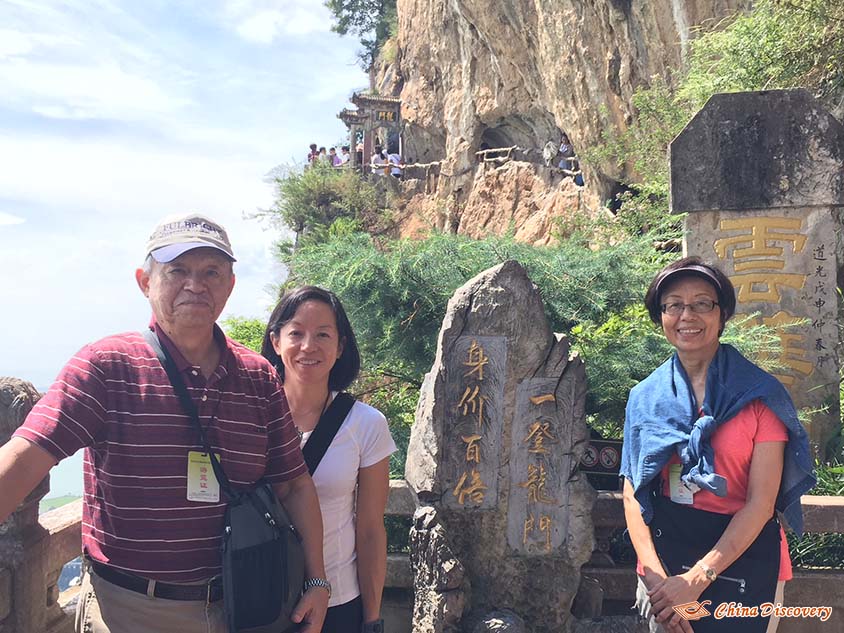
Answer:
(263, 558)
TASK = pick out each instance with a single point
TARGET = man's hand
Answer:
(310, 610)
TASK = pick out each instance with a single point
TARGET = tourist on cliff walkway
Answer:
(311, 343)
(151, 526)
(712, 448)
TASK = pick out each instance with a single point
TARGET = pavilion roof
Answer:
(360, 99)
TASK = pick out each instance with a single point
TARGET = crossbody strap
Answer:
(329, 423)
(188, 405)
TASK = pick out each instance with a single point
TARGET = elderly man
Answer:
(151, 537)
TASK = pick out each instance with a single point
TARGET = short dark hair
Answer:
(345, 147)
(346, 368)
(692, 267)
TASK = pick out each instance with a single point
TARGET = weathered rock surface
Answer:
(518, 72)
(17, 397)
(764, 150)
(613, 624)
(522, 537)
(440, 585)
(500, 622)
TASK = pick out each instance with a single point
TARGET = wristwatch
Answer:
(376, 626)
(318, 582)
(707, 570)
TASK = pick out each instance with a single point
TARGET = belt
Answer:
(210, 592)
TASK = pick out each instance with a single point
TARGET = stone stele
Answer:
(499, 431)
(762, 174)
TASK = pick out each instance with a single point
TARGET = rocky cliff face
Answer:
(475, 73)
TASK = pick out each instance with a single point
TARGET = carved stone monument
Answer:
(494, 450)
(762, 177)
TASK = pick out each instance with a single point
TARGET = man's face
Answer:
(191, 290)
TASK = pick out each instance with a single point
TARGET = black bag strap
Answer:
(188, 406)
(329, 423)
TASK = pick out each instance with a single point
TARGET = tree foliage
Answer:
(372, 20)
(249, 332)
(396, 294)
(779, 44)
(309, 201)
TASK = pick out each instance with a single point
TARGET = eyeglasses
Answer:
(699, 307)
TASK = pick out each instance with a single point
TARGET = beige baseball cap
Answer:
(178, 234)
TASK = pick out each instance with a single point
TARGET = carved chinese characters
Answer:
(537, 521)
(783, 268)
(476, 368)
(783, 265)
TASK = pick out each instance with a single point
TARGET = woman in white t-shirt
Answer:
(311, 344)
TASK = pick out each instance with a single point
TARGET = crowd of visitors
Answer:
(382, 163)
(330, 157)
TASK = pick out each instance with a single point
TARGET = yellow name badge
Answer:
(680, 491)
(202, 483)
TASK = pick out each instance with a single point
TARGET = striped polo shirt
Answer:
(114, 399)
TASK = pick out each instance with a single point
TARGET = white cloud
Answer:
(8, 219)
(152, 108)
(263, 22)
(74, 91)
(13, 43)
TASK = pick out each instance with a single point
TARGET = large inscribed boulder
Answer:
(499, 432)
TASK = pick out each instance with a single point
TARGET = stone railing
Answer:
(30, 601)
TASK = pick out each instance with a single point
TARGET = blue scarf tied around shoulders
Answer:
(661, 419)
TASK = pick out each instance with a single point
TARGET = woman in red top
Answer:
(692, 302)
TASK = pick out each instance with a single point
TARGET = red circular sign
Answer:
(609, 457)
(590, 457)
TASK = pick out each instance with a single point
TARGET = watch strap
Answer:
(711, 574)
(310, 583)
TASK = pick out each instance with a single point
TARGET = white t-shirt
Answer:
(379, 165)
(395, 160)
(363, 440)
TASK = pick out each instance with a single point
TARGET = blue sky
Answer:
(114, 113)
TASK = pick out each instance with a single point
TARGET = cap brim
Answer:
(168, 253)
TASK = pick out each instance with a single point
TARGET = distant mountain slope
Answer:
(56, 502)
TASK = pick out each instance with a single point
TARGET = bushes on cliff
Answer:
(779, 44)
(309, 201)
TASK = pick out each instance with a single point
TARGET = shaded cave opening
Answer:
(528, 131)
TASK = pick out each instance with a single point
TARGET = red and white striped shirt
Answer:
(114, 399)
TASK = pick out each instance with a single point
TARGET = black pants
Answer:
(344, 618)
